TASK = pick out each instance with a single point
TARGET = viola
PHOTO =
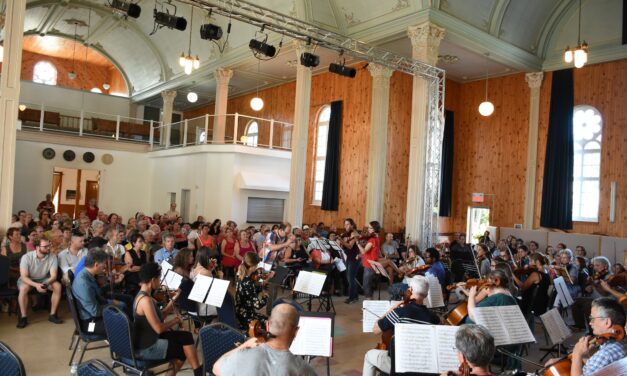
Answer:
(562, 367)
(256, 330)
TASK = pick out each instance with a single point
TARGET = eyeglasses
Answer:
(591, 318)
(45, 246)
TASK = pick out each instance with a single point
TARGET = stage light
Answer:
(309, 60)
(342, 70)
(262, 47)
(210, 32)
(127, 9)
(170, 20)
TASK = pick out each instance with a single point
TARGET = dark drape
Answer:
(446, 175)
(331, 186)
(557, 185)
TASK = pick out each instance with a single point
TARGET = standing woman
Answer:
(155, 338)
(14, 250)
(244, 245)
(370, 252)
(249, 296)
(205, 239)
(230, 259)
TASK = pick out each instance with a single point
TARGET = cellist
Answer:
(414, 312)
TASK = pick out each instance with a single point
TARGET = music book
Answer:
(165, 266)
(435, 297)
(555, 326)
(314, 336)
(172, 280)
(209, 290)
(310, 282)
(563, 295)
(379, 269)
(373, 310)
(425, 348)
(506, 324)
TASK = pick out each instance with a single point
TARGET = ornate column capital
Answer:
(425, 40)
(380, 71)
(223, 75)
(168, 96)
(534, 79)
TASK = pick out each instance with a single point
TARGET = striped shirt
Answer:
(411, 313)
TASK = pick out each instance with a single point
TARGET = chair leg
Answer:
(72, 340)
(83, 349)
(78, 340)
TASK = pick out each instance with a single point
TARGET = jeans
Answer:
(353, 269)
(367, 282)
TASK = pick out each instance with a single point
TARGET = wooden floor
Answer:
(43, 346)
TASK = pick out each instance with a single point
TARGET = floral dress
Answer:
(248, 301)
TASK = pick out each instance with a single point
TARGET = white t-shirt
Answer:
(264, 360)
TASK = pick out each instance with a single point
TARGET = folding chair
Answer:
(216, 340)
(95, 367)
(78, 330)
(10, 363)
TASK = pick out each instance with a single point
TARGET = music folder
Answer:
(209, 290)
(310, 282)
(315, 334)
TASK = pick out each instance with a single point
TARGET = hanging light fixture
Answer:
(188, 62)
(72, 74)
(257, 103)
(579, 54)
(192, 97)
(486, 108)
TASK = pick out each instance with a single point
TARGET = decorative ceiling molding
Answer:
(102, 28)
(559, 13)
(496, 19)
(53, 15)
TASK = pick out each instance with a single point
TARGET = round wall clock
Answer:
(49, 153)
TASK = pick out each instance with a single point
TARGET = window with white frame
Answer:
(322, 132)
(252, 133)
(45, 73)
(587, 129)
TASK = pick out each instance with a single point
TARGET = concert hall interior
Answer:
(337, 187)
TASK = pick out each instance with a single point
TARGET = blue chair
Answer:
(226, 313)
(10, 363)
(81, 335)
(95, 367)
(216, 340)
(121, 346)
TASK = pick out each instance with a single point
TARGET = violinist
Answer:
(475, 349)
(183, 262)
(249, 295)
(601, 272)
(432, 258)
(535, 302)
(620, 295)
(413, 259)
(369, 251)
(565, 258)
(351, 249)
(414, 312)
(205, 266)
(134, 259)
(483, 259)
(495, 294)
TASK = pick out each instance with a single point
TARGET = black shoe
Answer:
(354, 301)
(22, 322)
(348, 301)
(54, 319)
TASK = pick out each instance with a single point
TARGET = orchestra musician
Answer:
(414, 312)
(601, 272)
(370, 251)
(483, 259)
(565, 261)
(621, 296)
(249, 295)
(538, 279)
(475, 349)
(351, 249)
(495, 294)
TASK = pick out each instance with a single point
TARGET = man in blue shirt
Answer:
(432, 257)
(168, 251)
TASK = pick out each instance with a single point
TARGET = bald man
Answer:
(272, 357)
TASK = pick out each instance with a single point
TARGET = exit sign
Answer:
(477, 197)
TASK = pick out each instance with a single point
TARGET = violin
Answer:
(562, 367)
(419, 269)
(472, 282)
(519, 272)
(259, 276)
(463, 370)
(617, 280)
(256, 330)
(386, 337)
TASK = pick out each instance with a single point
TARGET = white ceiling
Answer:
(520, 35)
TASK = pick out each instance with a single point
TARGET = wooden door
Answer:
(92, 188)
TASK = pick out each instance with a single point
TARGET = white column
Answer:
(534, 80)
(295, 201)
(168, 106)
(223, 76)
(377, 153)
(9, 102)
(425, 39)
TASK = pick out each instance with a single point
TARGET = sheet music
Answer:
(489, 317)
(310, 282)
(515, 324)
(435, 297)
(335, 246)
(172, 280)
(265, 266)
(432, 354)
(379, 269)
(339, 264)
(447, 357)
(217, 292)
(563, 296)
(373, 310)
(555, 326)
(201, 286)
(165, 266)
(313, 337)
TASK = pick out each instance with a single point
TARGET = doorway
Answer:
(185, 193)
(73, 188)
(478, 222)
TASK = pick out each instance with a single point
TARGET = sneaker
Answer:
(54, 319)
(22, 322)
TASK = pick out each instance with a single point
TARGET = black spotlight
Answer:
(210, 32)
(342, 70)
(128, 9)
(170, 20)
(262, 47)
(309, 60)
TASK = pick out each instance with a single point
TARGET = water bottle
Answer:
(74, 369)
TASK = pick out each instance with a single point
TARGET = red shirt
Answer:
(92, 213)
(373, 254)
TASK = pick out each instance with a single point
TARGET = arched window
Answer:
(322, 132)
(587, 129)
(45, 73)
(252, 133)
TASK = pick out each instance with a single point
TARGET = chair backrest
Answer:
(10, 363)
(118, 333)
(5, 266)
(95, 367)
(216, 340)
(73, 304)
(226, 313)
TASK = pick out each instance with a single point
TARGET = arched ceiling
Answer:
(520, 35)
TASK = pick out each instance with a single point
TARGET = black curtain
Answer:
(557, 184)
(446, 172)
(331, 186)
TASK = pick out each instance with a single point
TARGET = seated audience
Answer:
(168, 251)
(14, 250)
(134, 259)
(69, 257)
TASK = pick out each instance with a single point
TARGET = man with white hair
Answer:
(414, 312)
(565, 261)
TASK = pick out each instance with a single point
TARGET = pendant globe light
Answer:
(486, 108)
(579, 54)
(257, 103)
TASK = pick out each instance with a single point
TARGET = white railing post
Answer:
(271, 132)
(117, 127)
(206, 128)
(41, 118)
(151, 135)
(235, 128)
(185, 133)
(80, 124)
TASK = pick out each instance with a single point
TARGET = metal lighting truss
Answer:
(300, 30)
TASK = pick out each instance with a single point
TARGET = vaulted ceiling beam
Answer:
(496, 18)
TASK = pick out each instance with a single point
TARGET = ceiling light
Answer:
(256, 104)
(192, 97)
(170, 20)
(486, 108)
(262, 47)
(106, 86)
(188, 62)
(127, 9)
(22, 107)
(578, 54)
(342, 70)
(309, 60)
(210, 32)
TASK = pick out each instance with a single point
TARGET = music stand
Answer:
(328, 315)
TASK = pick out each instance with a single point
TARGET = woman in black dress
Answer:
(249, 296)
(535, 289)
(134, 259)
